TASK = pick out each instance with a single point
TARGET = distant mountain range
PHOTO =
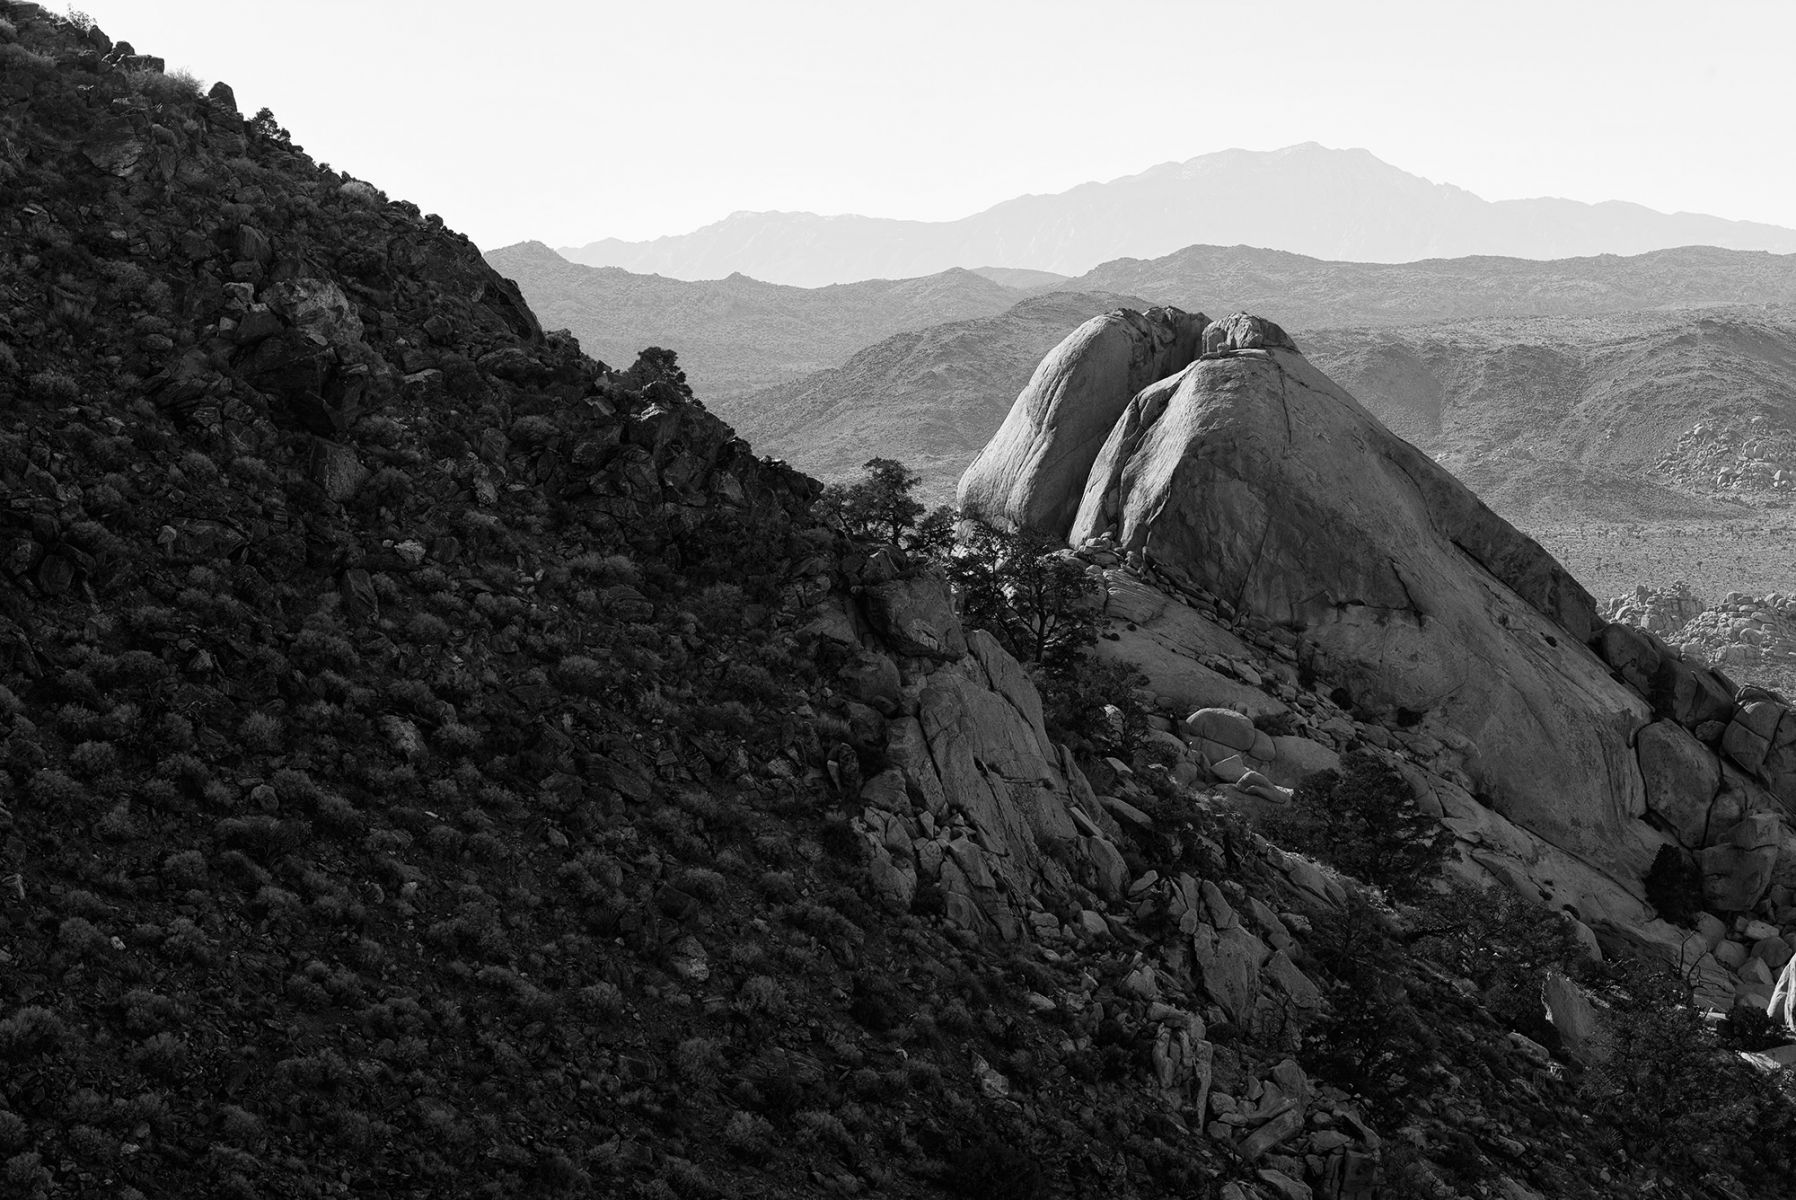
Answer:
(742, 341)
(1307, 199)
(737, 335)
(1310, 293)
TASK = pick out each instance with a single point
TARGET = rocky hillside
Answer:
(435, 763)
(738, 335)
(930, 398)
(1616, 418)
(1308, 199)
(1248, 484)
(1751, 637)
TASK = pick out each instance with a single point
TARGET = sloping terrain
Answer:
(1308, 199)
(738, 335)
(929, 398)
(1612, 418)
(1751, 637)
(434, 763)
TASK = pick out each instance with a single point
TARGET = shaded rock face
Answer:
(1259, 479)
(1031, 471)
(977, 801)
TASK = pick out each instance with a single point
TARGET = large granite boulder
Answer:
(1033, 469)
(1258, 479)
(1682, 779)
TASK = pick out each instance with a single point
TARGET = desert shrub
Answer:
(186, 942)
(165, 87)
(82, 938)
(1502, 943)
(161, 1055)
(31, 1031)
(94, 759)
(1371, 1039)
(1674, 886)
(760, 995)
(184, 870)
(748, 1135)
(1670, 1091)
(146, 1012)
(532, 431)
(1364, 820)
(779, 886)
(53, 387)
(118, 824)
(361, 193)
(14, 57)
(603, 1000)
(1075, 704)
(260, 731)
(824, 1130)
(1747, 1027)
(25, 1176)
(582, 675)
(698, 1060)
(995, 1168)
(52, 791)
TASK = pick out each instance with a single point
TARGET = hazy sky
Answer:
(568, 122)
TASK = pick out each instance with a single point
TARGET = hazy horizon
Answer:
(569, 123)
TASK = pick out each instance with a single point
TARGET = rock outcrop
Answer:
(977, 802)
(1031, 471)
(1248, 496)
(1255, 477)
(1659, 611)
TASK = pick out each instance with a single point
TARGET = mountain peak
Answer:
(1370, 211)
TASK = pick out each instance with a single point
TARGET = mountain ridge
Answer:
(736, 334)
(1365, 209)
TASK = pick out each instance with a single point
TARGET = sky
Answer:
(570, 122)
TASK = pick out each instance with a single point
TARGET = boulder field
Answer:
(1244, 508)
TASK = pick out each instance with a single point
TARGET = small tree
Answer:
(657, 374)
(880, 506)
(1039, 602)
(1364, 819)
(264, 125)
(1501, 942)
(1370, 1040)
(1674, 886)
(934, 536)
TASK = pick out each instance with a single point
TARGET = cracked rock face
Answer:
(1031, 472)
(1257, 477)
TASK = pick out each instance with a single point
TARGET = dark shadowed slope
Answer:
(737, 334)
(1340, 204)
